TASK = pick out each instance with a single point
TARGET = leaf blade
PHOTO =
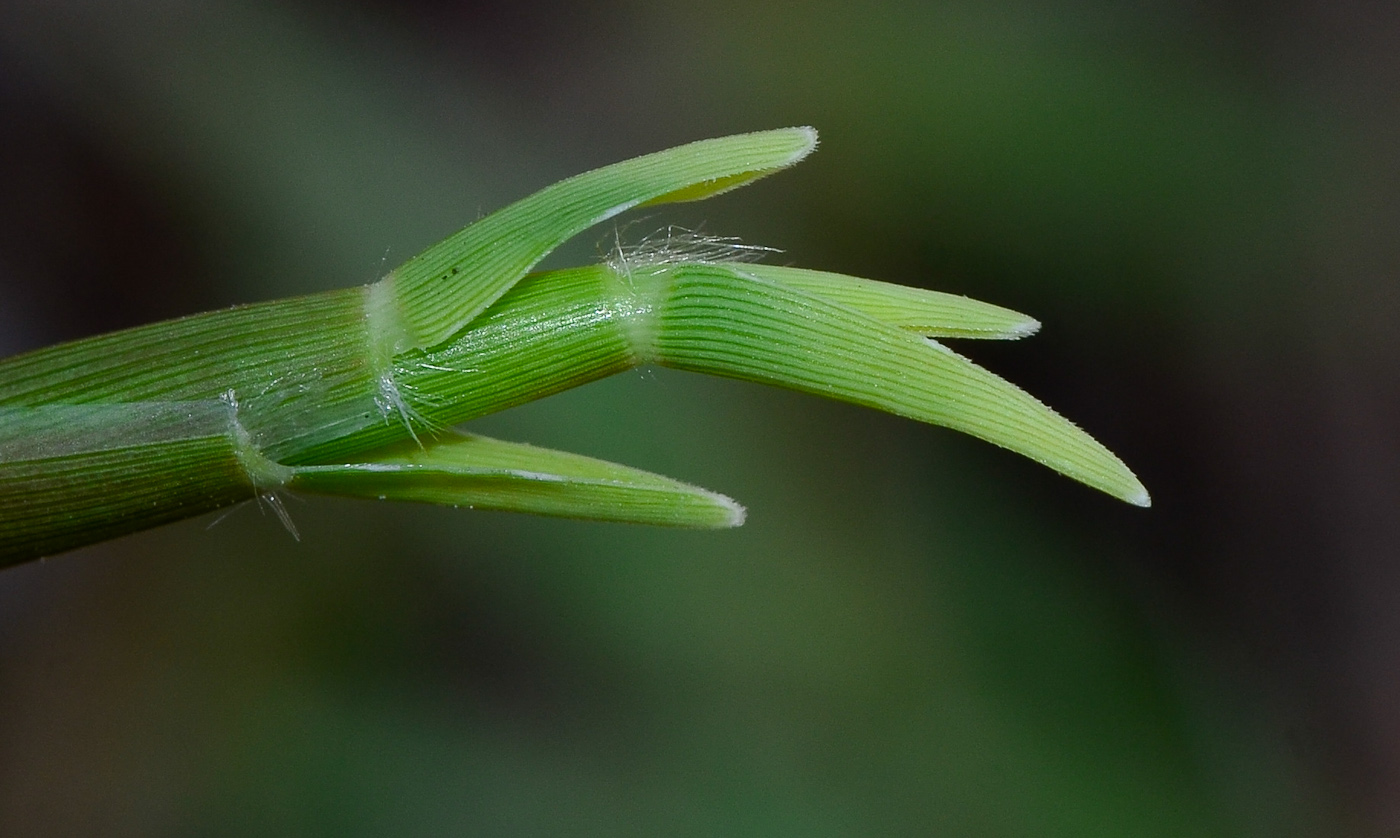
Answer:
(442, 289)
(487, 473)
(716, 320)
(929, 313)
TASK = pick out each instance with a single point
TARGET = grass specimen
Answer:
(355, 392)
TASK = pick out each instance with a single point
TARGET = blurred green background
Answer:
(915, 633)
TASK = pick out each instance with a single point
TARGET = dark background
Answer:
(915, 633)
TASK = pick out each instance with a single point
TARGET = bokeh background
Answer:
(915, 633)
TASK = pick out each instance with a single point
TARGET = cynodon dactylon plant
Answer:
(355, 392)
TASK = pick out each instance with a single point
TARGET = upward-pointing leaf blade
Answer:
(442, 289)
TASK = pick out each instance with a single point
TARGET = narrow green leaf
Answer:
(485, 473)
(716, 320)
(929, 313)
(439, 291)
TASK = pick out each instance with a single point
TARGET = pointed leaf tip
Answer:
(767, 151)
(737, 513)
